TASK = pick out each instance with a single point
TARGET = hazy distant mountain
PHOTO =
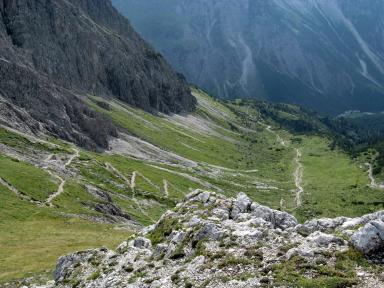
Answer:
(328, 55)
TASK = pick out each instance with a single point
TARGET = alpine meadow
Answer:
(250, 155)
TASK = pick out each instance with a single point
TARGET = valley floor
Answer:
(56, 198)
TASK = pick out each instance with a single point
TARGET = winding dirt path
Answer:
(62, 181)
(298, 176)
(148, 180)
(73, 157)
(372, 179)
(142, 210)
(278, 138)
(112, 169)
(299, 170)
(373, 183)
(165, 188)
(190, 177)
(60, 189)
(133, 182)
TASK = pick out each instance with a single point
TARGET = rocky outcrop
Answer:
(370, 238)
(212, 241)
(111, 210)
(339, 223)
(35, 104)
(55, 52)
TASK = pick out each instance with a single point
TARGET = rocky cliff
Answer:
(212, 241)
(327, 55)
(55, 52)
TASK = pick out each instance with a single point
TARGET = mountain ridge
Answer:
(325, 55)
(84, 165)
(60, 51)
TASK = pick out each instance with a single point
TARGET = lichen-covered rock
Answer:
(370, 238)
(279, 219)
(142, 242)
(324, 225)
(241, 205)
(318, 243)
(193, 246)
(339, 223)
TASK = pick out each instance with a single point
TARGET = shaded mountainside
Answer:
(52, 53)
(327, 55)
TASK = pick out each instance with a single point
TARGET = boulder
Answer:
(242, 204)
(194, 221)
(370, 238)
(221, 213)
(177, 237)
(209, 231)
(321, 239)
(160, 249)
(68, 263)
(323, 225)
(278, 219)
(110, 209)
(263, 212)
(317, 243)
(142, 242)
(283, 220)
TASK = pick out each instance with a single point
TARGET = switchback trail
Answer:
(372, 179)
(165, 188)
(131, 183)
(299, 170)
(73, 157)
(60, 189)
(116, 172)
(62, 181)
(278, 138)
(298, 176)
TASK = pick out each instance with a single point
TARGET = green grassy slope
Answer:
(241, 140)
(32, 237)
(224, 147)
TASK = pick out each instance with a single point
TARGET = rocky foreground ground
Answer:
(212, 241)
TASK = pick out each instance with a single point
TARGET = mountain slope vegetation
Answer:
(223, 147)
(99, 138)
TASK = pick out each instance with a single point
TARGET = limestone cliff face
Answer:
(57, 51)
(327, 55)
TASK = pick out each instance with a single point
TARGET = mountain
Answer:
(63, 198)
(54, 53)
(327, 55)
(212, 241)
(99, 138)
